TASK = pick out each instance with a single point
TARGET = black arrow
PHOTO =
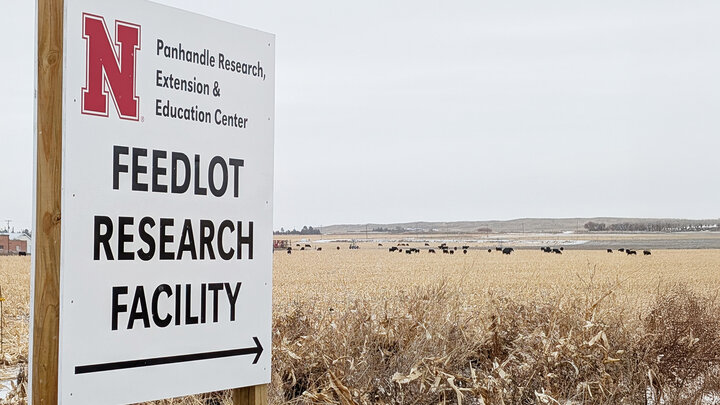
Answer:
(120, 365)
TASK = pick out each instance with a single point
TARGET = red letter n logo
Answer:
(108, 70)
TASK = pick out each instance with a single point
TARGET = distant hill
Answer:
(512, 226)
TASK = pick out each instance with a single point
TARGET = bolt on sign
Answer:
(167, 170)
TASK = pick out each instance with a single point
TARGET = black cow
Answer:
(379, 244)
(446, 251)
(630, 252)
(621, 250)
(646, 252)
(489, 250)
(338, 248)
(431, 250)
(562, 248)
(22, 253)
(427, 244)
(464, 251)
(319, 249)
(557, 251)
(466, 247)
(408, 251)
(508, 250)
(609, 251)
(499, 249)
(452, 252)
(308, 246)
(392, 249)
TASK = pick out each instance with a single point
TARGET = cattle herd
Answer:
(445, 249)
(304, 247)
(631, 252)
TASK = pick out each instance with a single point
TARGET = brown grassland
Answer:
(367, 326)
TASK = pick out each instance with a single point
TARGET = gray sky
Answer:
(462, 110)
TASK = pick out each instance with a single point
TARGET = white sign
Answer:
(166, 261)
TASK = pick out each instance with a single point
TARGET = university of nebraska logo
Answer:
(109, 71)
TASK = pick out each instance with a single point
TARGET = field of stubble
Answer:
(368, 326)
(336, 277)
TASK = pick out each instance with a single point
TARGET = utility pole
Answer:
(8, 221)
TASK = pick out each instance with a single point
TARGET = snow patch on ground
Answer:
(8, 375)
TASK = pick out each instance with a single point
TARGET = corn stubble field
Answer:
(371, 327)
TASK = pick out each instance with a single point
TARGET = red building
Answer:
(11, 246)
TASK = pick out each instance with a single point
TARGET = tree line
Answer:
(664, 226)
(306, 230)
(397, 229)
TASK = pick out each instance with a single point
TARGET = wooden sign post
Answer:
(255, 395)
(46, 298)
(113, 335)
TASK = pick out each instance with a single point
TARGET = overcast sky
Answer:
(458, 110)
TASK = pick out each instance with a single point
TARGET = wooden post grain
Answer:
(46, 299)
(255, 395)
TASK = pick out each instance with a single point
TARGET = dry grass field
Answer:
(368, 326)
(15, 323)
(586, 326)
(371, 272)
(15, 287)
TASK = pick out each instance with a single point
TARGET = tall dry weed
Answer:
(427, 347)
(680, 346)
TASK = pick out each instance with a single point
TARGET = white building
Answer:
(23, 236)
